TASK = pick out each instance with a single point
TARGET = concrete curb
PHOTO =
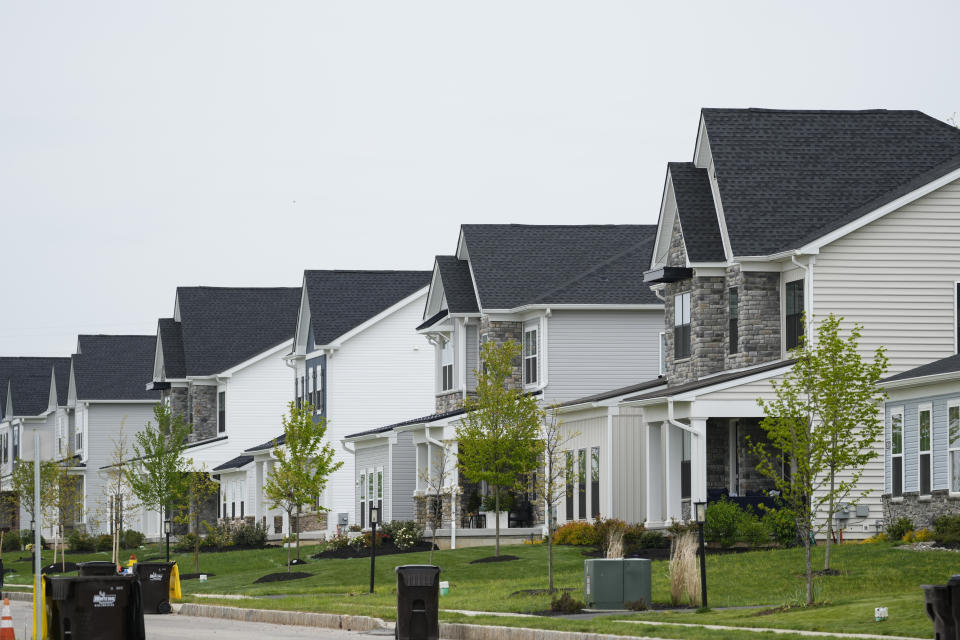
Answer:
(460, 631)
(272, 616)
(19, 596)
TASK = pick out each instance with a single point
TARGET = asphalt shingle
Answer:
(457, 284)
(698, 215)
(28, 381)
(950, 364)
(171, 342)
(114, 367)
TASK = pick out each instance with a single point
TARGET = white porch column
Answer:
(612, 412)
(698, 461)
(653, 478)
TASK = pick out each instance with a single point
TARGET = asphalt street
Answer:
(175, 627)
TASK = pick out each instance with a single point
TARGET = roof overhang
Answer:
(667, 274)
(920, 381)
(158, 385)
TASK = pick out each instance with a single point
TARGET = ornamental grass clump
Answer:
(684, 571)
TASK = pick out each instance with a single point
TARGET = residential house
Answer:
(357, 360)
(219, 365)
(570, 297)
(782, 218)
(32, 389)
(107, 405)
(922, 456)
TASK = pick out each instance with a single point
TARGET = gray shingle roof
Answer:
(114, 367)
(269, 444)
(342, 300)
(613, 393)
(950, 364)
(29, 383)
(789, 177)
(457, 284)
(422, 420)
(698, 215)
(703, 383)
(234, 463)
(224, 326)
(516, 265)
(171, 341)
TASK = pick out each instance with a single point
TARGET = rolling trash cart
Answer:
(97, 568)
(93, 607)
(154, 580)
(418, 602)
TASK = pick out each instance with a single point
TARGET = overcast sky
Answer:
(145, 145)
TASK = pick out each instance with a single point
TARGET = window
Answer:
(530, 356)
(681, 326)
(233, 499)
(315, 400)
(222, 412)
(733, 312)
(303, 389)
(380, 492)
(953, 444)
(446, 365)
(896, 452)
(363, 498)
(16, 443)
(242, 493)
(569, 485)
(926, 471)
(60, 435)
(582, 484)
(685, 479)
(78, 436)
(595, 482)
(794, 315)
(663, 353)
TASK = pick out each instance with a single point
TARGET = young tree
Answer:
(21, 483)
(158, 473)
(435, 479)
(556, 441)
(118, 496)
(823, 421)
(498, 437)
(200, 487)
(66, 506)
(304, 463)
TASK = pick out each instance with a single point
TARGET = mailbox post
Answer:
(374, 520)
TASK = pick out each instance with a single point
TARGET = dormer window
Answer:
(530, 356)
(446, 365)
(681, 326)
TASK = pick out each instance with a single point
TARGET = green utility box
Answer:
(609, 584)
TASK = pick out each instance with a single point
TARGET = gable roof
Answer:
(341, 300)
(457, 284)
(950, 364)
(516, 265)
(704, 383)
(422, 420)
(221, 327)
(270, 444)
(234, 463)
(613, 393)
(114, 367)
(170, 334)
(28, 381)
(698, 215)
(789, 177)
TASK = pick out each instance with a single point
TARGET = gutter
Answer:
(807, 293)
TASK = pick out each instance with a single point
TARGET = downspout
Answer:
(679, 425)
(545, 369)
(462, 358)
(807, 293)
(453, 493)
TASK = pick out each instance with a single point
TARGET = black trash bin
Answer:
(97, 568)
(154, 580)
(418, 602)
(954, 585)
(936, 600)
(92, 607)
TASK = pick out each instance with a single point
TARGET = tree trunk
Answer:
(287, 544)
(826, 553)
(806, 544)
(496, 516)
(433, 540)
(549, 547)
(298, 533)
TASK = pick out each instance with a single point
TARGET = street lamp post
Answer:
(700, 515)
(167, 526)
(374, 519)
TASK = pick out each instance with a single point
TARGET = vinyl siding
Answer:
(748, 392)
(628, 471)
(594, 351)
(472, 356)
(585, 434)
(403, 481)
(911, 441)
(371, 457)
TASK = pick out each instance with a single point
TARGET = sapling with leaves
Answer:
(118, 496)
(302, 467)
(436, 480)
(554, 478)
(821, 426)
(200, 487)
(21, 494)
(498, 439)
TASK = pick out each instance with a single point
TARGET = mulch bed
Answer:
(540, 592)
(494, 559)
(194, 576)
(297, 561)
(384, 549)
(281, 577)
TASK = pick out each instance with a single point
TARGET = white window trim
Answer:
(955, 403)
(683, 302)
(662, 364)
(920, 409)
(534, 329)
(447, 347)
(897, 411)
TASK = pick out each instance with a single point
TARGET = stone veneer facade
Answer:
(203, 417)
(758, 321)
(921, 511)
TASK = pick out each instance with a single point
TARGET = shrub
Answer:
(185, 543)
(566, 604)
(577, 533)
(946, 531)
(131, 539)
(26, 537)
(880, 537)
(250, 535)
(104, 542)
(359, 543)
(382, 539)
(507, 501)
(11, 541)
(782, 525)
(217, 538)
(921, 535)
(653, 540)
(899, 528)
(354, 528)
(81, 542)
(405, 534)
(723, 520)
(338, 542)
(753, 531)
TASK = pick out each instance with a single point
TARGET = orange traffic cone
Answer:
(6, 622)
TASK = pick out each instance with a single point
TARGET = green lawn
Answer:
(871, 575)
